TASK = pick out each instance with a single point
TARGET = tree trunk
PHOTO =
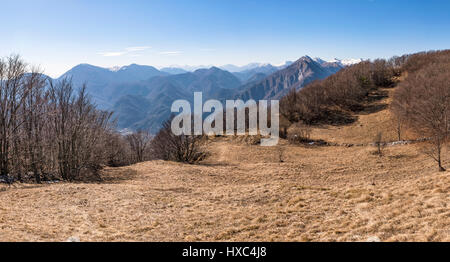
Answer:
(439, 152)
(441, 168)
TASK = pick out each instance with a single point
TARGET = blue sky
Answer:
(59, 34)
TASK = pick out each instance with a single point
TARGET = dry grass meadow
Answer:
(243, 193)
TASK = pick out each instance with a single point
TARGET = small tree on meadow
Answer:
(379, 143)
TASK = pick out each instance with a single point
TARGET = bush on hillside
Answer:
(184, 148)
(299, 133)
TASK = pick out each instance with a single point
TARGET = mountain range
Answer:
(141, 96)
(297, 75)
(101, 80)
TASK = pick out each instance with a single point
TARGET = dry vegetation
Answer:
(50, 129)
(244, 192)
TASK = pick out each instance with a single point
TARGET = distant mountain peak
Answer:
(296, 75)
(173, 70)
(215, 68)
(306, 57)
(320, 60)
(86, 66)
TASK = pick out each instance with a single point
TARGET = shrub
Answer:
(299, 133)
(139, 144)
(280, 153)
(118, 152)
(184, 148)
(378, 142)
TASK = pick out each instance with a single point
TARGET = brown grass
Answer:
(318, 194)
(243, 193)
(370, 122)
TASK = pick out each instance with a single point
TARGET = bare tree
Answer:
(139, 143)
(12, 96)
(184, 148)
(398, 123)
(34, 118)
(78, 129)
(382, 73)
(50, 129)
(434, 150)
(379, 143)
(118, 150)
(289, 106)
(423, 99)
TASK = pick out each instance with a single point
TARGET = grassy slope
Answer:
(243, 193)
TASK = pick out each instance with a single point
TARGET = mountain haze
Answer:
(173, 70)
(249, 74)
(150, 106)
(99, 80)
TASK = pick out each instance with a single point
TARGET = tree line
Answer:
(325, 101)
(421, 102)
(50, 129)
(47, 128)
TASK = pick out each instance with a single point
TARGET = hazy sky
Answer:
(59, 34)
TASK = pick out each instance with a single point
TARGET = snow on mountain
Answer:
(284, 65)
(353, 61)
(341, 62)
(114, 68)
